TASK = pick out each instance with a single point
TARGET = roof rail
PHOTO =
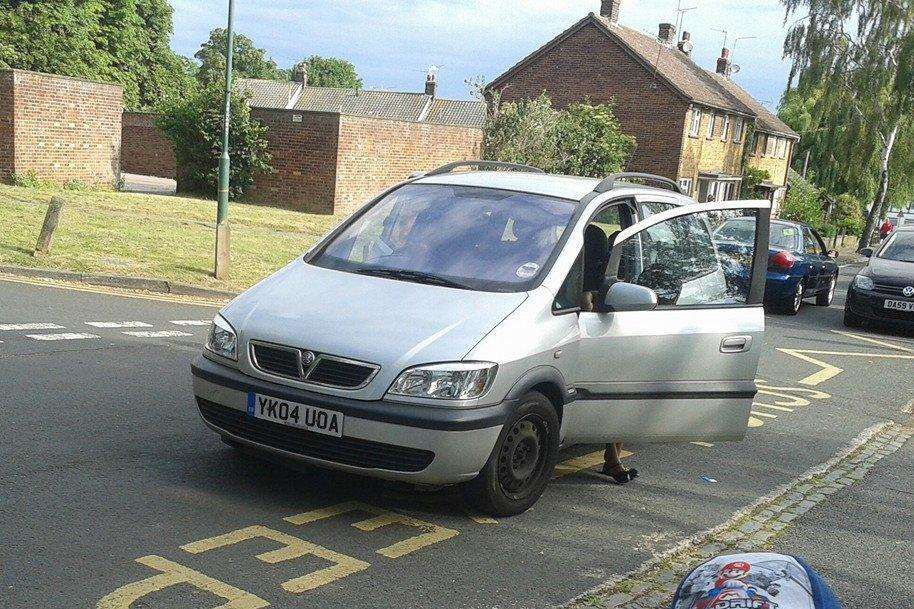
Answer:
(611, 181)
(492, 165)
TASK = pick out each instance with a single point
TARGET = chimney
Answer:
(685, 45)
(667, 33)
(723, 63)
(300, 74)
(610, 9)
(431, 81)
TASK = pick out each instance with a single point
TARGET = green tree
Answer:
(120, 41)
(848, 214)
(803, 203)
(328, 72)
(583, 139)
(590, 141)
(248, 61)
(860, 55)
(752, 177)
(194, 123)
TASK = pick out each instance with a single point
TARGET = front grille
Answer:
(340, 373)
(326, 370)
(895, 290)
(346, 451)
(277, 360)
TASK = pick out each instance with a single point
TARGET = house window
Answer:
(782, 148)
(738, 129)
(695, 127)
(685, 184)
(725, 134)
(712, 120)
(771, 146)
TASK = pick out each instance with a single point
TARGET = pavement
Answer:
(112, 492)
(149, 185)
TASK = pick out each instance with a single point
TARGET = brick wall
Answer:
(6, 126)
(65, 129)
(304, 150)
(144, 148)
(589, 65)
(375, 154)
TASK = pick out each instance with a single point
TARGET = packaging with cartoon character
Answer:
(754, 581)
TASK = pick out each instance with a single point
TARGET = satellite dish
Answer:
(734, 69)
(686, 47)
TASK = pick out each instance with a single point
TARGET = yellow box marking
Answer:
(773, 407)
(881, 343)
(294, 548)
(173, 574)
(431, 533)
(764, 415)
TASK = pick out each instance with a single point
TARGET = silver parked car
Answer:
(465, 325)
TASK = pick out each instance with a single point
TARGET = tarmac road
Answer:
(104, 461)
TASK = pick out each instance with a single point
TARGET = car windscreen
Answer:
(462, 236)
(900, 246)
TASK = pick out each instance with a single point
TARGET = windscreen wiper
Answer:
(415, 276)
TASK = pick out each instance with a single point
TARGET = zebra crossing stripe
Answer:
(118, 324)
(20, 327)
(63, 336)
(160, 334)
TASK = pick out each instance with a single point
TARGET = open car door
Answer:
(672, 352)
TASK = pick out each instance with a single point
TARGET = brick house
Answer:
(690, 124)
(59, 129)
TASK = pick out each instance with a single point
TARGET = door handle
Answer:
(736, 344)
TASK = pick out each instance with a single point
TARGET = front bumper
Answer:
(871, 305)
(382, 439)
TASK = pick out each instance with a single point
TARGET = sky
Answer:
(393, 42)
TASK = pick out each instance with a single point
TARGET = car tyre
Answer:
(851, 319)
(792, 306)
(521, 464)
(826, 298)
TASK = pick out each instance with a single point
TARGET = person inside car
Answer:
(596, 256)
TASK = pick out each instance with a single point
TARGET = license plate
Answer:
(293, 414)
(899, 305)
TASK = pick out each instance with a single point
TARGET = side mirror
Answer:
(623, 296)
(833, 254)
(866, 252)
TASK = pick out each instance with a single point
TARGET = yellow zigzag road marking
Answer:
(881, 343)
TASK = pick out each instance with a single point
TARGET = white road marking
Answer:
(192, 322)
(64, 336)
(118, 324)
(160, 334)
(20, 327)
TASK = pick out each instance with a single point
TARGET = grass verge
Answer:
(171, 238)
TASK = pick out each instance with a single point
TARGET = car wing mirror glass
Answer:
(622, 296)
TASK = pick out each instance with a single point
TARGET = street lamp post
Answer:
(223, 233)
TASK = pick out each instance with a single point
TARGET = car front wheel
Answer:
(521, 463)
(851, 319)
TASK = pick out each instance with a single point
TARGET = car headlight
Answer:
(864, 283)
(222, 339)
(453, 381)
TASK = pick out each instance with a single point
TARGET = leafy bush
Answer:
(848, 214)
(803, 203)
(752, 177)
(583, 139)
(194, 126)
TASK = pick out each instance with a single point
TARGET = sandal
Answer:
(623, 477)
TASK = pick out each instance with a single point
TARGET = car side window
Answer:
(809, 243)
(686, 266)
(823, 249)
(572, 290)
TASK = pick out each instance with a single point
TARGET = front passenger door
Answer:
(684, 371)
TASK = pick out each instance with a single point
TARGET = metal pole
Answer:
(223, 234)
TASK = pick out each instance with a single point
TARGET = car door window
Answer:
(809, 243)
(569, 296)
(823, 250)
(686, 265)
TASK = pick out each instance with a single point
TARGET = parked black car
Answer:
(884, 289)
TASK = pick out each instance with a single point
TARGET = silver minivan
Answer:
(464, 326)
